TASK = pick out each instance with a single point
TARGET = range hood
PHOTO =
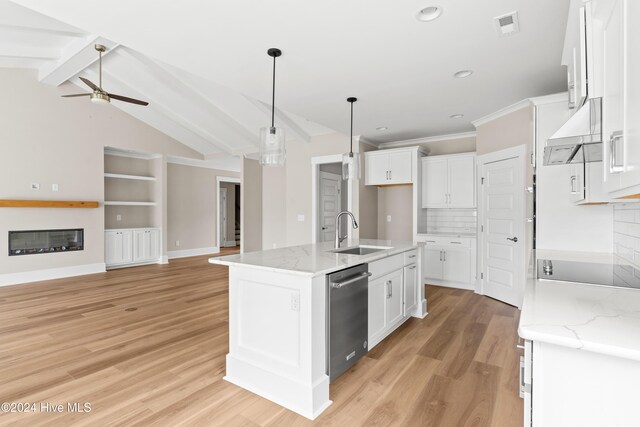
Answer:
(579, 140)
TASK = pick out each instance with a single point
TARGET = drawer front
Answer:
(385, 266)
(466, 242)
(410, 257)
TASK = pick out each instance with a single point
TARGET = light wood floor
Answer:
(146, 346)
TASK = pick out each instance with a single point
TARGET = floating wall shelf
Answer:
(119, 203)
(48, 204)
(134, 177)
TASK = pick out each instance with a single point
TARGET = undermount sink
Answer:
(360, 250)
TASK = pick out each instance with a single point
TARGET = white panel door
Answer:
(400, 167)
(141, 245)
(462, 183)
(410, 288)
(329, 206)
(377, 168)
(127, 245)
(503, 222)
(434, 183)
(377, 306)
(433, 263)
(395, 297)
(154, 243)
(113, 247)
(457, 265)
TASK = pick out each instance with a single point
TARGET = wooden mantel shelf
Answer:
(47, 204)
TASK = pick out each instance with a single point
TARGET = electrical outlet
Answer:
(295, 302)
(177, 243)
(35, 186)
(118, 217)
(388, 218)
(301, 217)
(54, 187)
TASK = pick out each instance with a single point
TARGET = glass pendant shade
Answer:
(272, 148)
(350, 166)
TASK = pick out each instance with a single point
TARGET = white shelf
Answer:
(118, 203)
(134, 177)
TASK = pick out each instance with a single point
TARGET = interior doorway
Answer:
(228, 209)
(332, 198)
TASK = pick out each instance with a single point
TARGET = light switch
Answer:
(177, 243)
(295, 302)
(388, 218)
(118, 217)
(301, 217)
(54, 187)
(35, 186)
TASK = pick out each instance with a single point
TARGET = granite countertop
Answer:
(314, 259)
(586, 317)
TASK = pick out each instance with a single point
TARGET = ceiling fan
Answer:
(99, 95)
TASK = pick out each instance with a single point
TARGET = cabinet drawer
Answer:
(410, 257)
(466, 242)
(385, 266)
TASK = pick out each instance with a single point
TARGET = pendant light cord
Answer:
(351, 139)
(273, 94)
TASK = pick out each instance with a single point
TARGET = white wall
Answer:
(560, 224)
(48, 139)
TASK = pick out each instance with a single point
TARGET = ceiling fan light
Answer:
(272, 146)
(99, 98)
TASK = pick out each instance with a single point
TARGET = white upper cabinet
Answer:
(389, 167)
(577, 53)
(620, 36)
(449, 181)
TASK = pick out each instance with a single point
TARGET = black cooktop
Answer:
(616, 274)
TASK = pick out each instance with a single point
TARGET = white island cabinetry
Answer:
(278, 310)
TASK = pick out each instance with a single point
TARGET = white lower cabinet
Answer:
(132, 246)
(449, 261)
(393, 294)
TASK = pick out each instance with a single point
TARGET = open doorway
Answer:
(332, 198)
(228, 208)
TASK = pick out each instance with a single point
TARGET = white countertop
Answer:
(312, 260)
(587, 317)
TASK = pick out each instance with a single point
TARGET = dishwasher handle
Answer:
(338, 285)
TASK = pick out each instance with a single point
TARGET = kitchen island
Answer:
(278, 307)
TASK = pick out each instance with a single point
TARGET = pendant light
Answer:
(351, 161)
(272, 149)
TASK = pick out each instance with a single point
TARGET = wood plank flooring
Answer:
(147, 345)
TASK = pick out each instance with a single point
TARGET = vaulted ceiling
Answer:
(203, 64)
(216, 121)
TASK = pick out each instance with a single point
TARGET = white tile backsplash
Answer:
(626, 232)
(448, 221)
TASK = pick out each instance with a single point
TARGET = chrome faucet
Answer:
(354, 224)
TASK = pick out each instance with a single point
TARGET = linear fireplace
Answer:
(33, 242)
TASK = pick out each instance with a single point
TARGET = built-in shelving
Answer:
(122, 203)
(133, 177)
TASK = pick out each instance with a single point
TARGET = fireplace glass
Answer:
(45, 241)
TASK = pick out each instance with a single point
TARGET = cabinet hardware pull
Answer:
(412, 267)
(440, 255)
(412, 256)
(616, 164)
(430, 241)
(456, 243)
(573, 189)
(445, 255)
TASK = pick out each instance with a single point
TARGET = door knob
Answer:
(513, 239)
(324, 228)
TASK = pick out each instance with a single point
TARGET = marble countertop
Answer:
(314, 259)
(586, 317)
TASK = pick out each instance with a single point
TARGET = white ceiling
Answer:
(400, 69)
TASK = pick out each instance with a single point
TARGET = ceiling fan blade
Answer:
(126, 99)
(89, 83)
(76, 94)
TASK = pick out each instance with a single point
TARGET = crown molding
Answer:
(111, 151)
(503, 112)
(550, 99)
(427, 140)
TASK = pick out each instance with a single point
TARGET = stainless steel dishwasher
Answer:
(347, 319)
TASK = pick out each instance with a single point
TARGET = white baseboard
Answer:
(193, 252)
(49, 274)
(164, 259)
(229, 243)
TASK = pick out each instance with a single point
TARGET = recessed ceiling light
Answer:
(382, 128)
(456, 116)
(462, 74)
(429, 13)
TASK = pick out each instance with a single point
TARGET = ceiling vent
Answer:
(507, 24)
